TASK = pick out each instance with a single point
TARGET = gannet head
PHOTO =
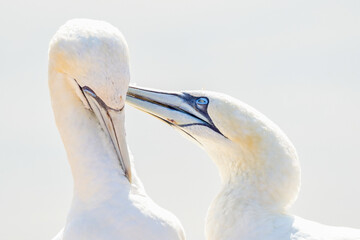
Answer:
(92, 58)
(249, 150)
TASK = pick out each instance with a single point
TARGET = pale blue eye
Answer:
(202, 101)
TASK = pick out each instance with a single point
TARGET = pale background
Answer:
(295, 61)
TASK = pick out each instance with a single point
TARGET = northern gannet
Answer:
(88, 81)
(258, 165)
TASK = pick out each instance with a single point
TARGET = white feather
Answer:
(105, 204)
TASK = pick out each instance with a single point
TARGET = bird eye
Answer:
(202, 101)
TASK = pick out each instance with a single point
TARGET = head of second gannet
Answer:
(89, 68)
(257, 162)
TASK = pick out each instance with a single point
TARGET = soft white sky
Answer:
(295, 61)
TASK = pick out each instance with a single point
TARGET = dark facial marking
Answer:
(202, 109)
(187, 98)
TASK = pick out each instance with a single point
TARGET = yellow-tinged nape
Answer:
(95, 54)
(254, 152)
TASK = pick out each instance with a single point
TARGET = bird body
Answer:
(256, 224)
(258, 165)
(88, 80)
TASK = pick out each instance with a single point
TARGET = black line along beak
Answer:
(112, 123)
(176, 109)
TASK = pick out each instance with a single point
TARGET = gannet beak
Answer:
(112, 122)
(175, 108)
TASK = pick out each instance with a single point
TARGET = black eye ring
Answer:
(202, 101)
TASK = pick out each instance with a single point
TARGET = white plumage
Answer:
(258, 165)
(88, 80)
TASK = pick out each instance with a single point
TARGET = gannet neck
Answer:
(260, 167)
(94, 165)
(260, 175)
(255, 154)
